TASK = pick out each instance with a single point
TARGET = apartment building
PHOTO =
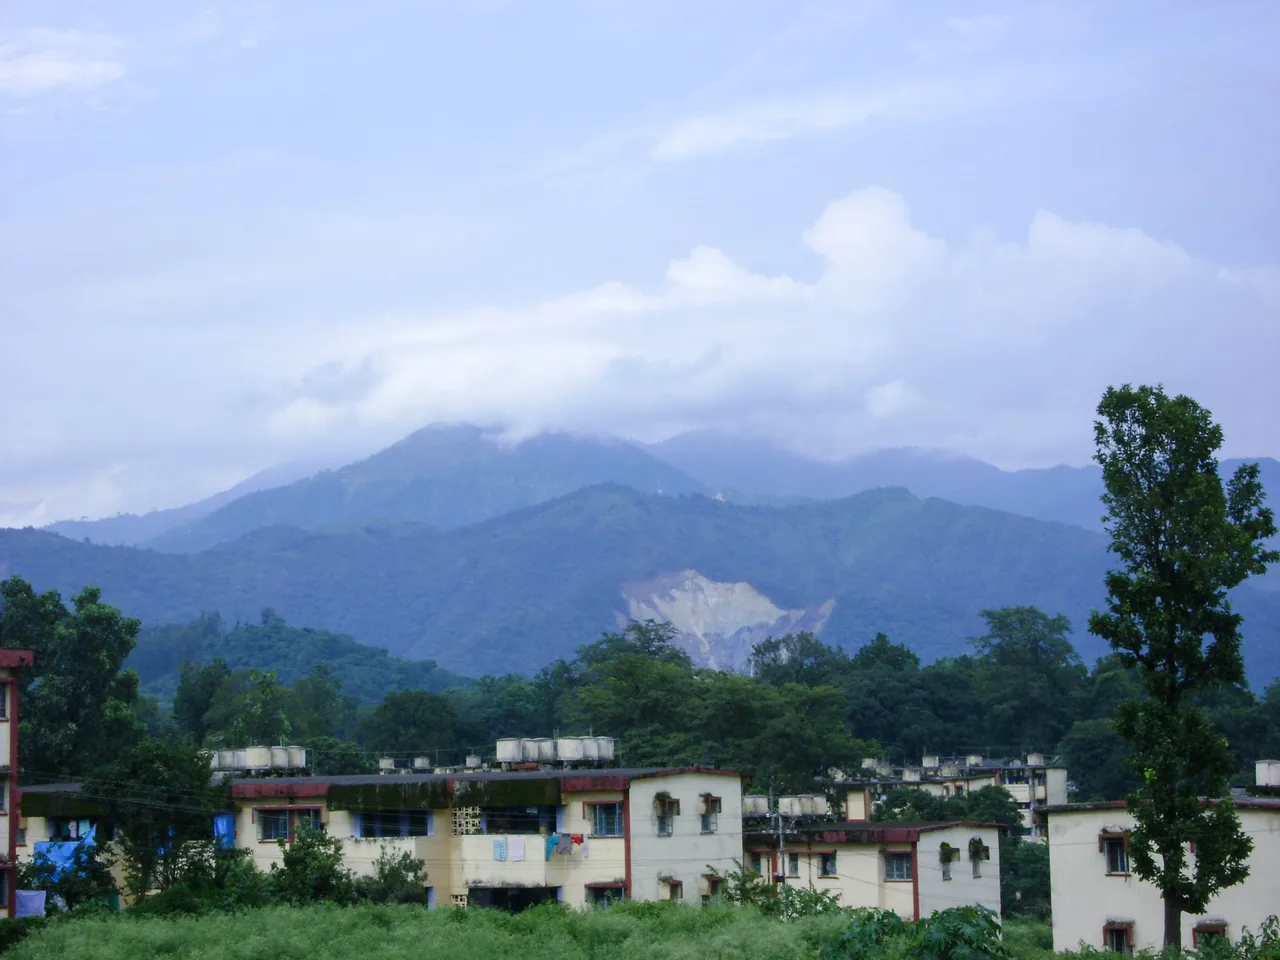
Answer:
(1099, 901)
(11, 663)
(504, 838)
(1035, 782)
(913, 869)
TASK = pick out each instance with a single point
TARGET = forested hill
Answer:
(367, 673)
(518, 591)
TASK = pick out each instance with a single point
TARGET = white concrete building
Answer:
(1035, 782)
(1098, 901)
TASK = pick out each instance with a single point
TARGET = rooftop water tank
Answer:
(298, 757)
(509, 750)
(570, 749)
(280, 758)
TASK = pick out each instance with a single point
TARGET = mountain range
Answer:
(451, 475)
(493, 556)
(516, 591)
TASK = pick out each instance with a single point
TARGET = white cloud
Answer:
(999, 349)
(40, 61)
(996, 348)
(815, 113)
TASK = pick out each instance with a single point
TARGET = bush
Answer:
(743, 887)
(312, 870)
(228, 883)
(15, 929)
(398, 878)
(958, 933)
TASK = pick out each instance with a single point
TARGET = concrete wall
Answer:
(1086, 898)
(963, 888)
(686, 854)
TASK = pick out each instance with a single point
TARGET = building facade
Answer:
(11, 663)
(487, 838)
(1099, 901)
(1036, 782)
(913, 869)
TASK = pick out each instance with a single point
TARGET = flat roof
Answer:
(1242, 803)
(386, 779)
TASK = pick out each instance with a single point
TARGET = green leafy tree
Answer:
(330, 757)
(311, 869)
(84, 881)
(159, 795)
(319, 708)
(412, 721)
(198, 686)
(1094, 755)
(77, 703)
(1028, 674)
(798, 658)
(1183, 542)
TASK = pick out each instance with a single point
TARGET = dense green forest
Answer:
(518, 592)
(368, 673)
(808, 706)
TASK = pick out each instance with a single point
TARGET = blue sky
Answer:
(237, 234)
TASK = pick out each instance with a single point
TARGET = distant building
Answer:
(11, 662)
(913, 869)
(506, 838)
(1035, 782)
(1099, 901)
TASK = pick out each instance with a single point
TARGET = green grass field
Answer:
(632, 932)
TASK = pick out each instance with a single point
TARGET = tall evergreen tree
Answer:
(1183, 542)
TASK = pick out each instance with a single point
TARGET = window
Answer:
(519, 820)
(307, 820)
(897, 866)
(22, 836)
(606, 820)
(4, 795)
(668, 809)
(756, 866)
(675, 890)
(1117, 851)
(603, 894)
(827, 865)
(946, 868)
(395, 823)
(1118, 937)
(976, 861)
(793, 864)
(4, 701)
(273, 824)
(713, 888)
(710, 814)
(1205, 931)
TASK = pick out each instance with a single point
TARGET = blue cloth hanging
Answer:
(224, 830)
(500, 848)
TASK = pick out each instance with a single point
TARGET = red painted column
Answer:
(915, 878)
(626, 841)
(14, 817)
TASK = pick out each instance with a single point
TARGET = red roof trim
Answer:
(593, 783)
(267, 789)
(16, 658)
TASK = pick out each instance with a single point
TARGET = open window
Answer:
(827, 864)
(666, 808)
(1114, 846)
(710, 813)
(1206, 930)
(978, 852)
(793, 864)
(1118, 937)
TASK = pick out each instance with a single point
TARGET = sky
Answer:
(239, 234)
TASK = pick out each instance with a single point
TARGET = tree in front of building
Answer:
(1183, 541)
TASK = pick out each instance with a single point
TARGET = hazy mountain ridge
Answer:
(445, 476)
(516, 591)
(1063, 493)
(131, 529)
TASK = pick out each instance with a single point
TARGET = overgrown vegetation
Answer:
(623, 931)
